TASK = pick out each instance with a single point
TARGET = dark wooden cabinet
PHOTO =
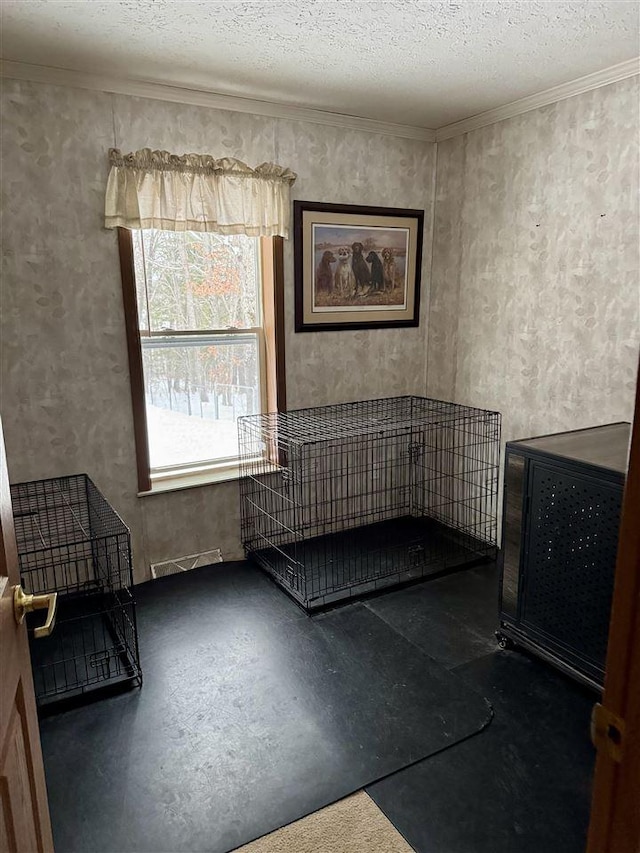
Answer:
(562, 501)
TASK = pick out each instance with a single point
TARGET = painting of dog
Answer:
(367, 271)
(361, 271)
(344, 281)
(377, 271)
(324, 273)
(356, 266)
(388, 270)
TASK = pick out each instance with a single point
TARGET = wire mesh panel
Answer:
(71, 541)
(340, 500)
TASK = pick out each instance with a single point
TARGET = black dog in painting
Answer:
(324, 273)
(360, 270)
(377, 273)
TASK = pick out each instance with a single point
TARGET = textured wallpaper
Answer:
(535, 295)
(65, 389)
(535, 299)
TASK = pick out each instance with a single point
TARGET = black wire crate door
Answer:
(71, 541)
(93, 646)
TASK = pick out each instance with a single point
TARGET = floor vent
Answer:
(185, 564)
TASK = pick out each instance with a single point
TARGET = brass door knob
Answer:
(24, 603)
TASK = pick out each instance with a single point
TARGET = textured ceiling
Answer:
(407, 61)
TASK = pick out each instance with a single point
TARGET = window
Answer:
(204, 330)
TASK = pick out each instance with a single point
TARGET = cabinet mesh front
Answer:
(572, 541)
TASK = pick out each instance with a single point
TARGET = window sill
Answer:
(190, 479)
(194, 478)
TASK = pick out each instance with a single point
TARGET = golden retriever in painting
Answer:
(388, 270)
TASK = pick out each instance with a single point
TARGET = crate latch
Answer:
(416, 555)
(607, 732)
(415, 451)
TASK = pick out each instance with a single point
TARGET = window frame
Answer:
(270, 337)
(204, 338)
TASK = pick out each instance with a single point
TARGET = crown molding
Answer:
(541, 99)
(203, 98)
(214, 100)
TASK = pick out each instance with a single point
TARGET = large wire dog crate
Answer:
(341, 500)
(72, 542)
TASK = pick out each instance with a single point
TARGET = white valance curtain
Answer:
(195, 192)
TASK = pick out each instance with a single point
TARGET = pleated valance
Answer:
(196, 192)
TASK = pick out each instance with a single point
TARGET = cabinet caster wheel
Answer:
(504, 642)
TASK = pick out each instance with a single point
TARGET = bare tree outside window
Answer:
(199, 312)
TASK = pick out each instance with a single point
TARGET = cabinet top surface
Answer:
(605, 446)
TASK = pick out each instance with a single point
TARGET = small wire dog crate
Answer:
(340, 500)
(72, 542)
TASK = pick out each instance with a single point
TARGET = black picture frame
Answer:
(328, 296)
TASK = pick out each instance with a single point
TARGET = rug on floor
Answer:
(352, 825)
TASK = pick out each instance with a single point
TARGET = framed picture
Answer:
(356, 267)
